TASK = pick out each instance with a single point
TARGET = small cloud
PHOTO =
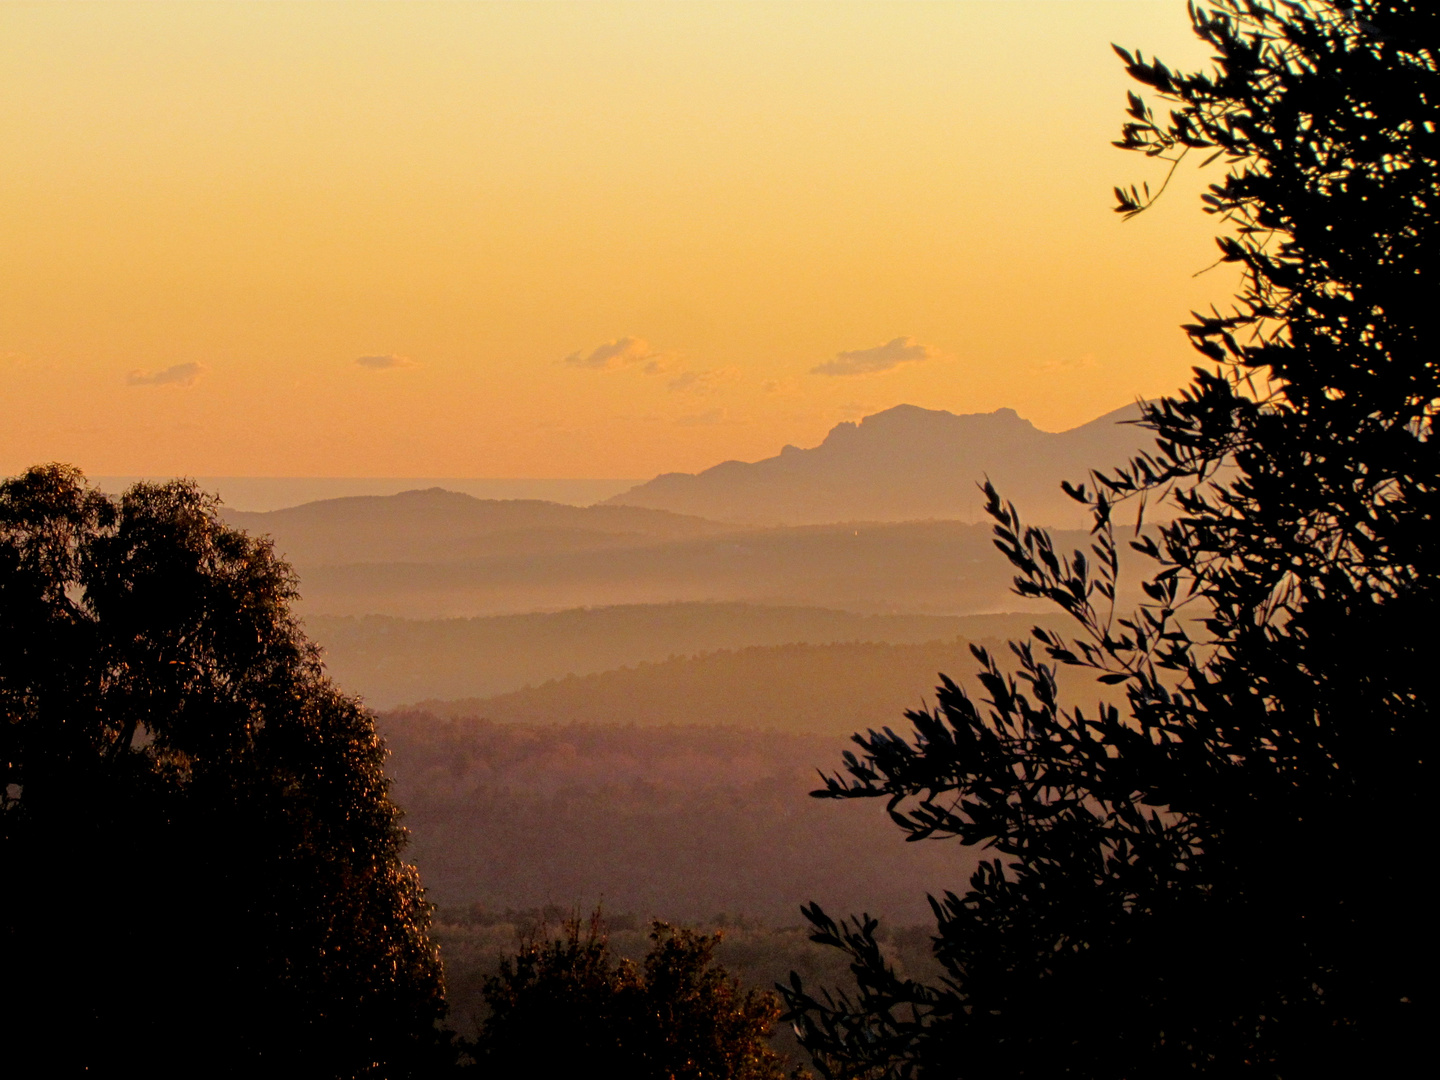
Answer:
(700, 382)
(619, 353)
(179, 375)
(887, 357)
(385, 362)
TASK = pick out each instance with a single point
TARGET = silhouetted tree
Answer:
(1225, 876)
(201, 867)
(565, 1008)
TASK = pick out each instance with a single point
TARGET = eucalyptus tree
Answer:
(202, 870)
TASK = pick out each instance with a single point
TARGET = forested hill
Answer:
(680, 822)
(393, 661)
(803, 689)
(833, 689)
(905, 464)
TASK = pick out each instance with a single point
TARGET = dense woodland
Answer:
(682, 822)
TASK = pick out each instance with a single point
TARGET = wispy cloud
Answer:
(178, 375)
(622, 352)
(887, 357)
(384, 362)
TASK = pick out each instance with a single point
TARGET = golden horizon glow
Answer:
(570, 240)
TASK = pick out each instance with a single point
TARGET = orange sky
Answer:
(584, 239)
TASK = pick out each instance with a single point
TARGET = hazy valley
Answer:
(582, 685)
(394, 661)
(629, 702)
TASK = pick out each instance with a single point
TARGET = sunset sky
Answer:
(570, 240)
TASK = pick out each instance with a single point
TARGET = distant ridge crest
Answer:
(905, 463)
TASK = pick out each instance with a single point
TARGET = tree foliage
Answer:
(1223, 876)
(564, 1007)
(202, 868)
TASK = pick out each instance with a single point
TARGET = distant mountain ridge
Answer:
(905, 464)
(436, 525)
(883, 516)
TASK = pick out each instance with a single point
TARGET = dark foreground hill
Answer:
(905, 464)
(682, 822)
(394, 661)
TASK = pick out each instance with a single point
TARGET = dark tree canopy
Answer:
(564, 1008)
(202, 868)
(1224, 876)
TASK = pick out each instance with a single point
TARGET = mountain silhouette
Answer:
(435, 525)
(905, 464)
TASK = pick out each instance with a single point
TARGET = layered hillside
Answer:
(800, 689)
(935, 567)
(395, 661)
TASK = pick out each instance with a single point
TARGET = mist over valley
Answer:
(394, 661)
(627, 699)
